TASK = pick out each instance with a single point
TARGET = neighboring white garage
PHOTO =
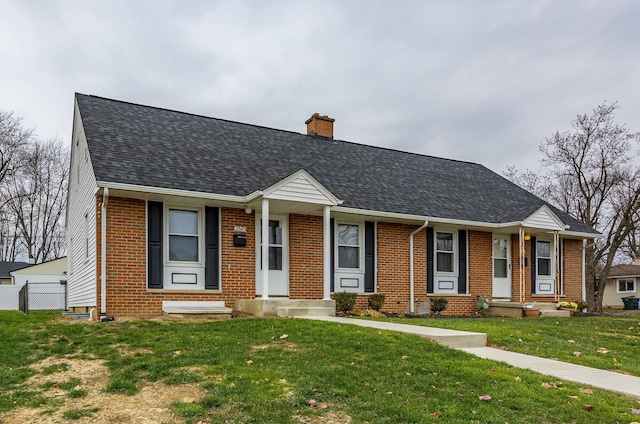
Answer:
(47, 286)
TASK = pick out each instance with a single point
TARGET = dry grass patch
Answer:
(150, 405)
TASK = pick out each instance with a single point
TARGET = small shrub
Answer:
(438, 304)
(345, 302)
(376, 301)
(371, 313)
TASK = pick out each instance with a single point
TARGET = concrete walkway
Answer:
(475, 344)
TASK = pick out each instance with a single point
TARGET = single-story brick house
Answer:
(166, 206)
(622, 282)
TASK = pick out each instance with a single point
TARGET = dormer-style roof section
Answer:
(158, 149)
(301, 187)
(545, 219)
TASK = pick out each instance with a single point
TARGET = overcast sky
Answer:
(481, 81)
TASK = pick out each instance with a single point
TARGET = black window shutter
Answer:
(534, 263)
(332, 253)
(154, 245)
(462, 261)
(369, 256)
(211, 240)
(430, 248)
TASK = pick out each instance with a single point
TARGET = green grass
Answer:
(76, 414)
(558, 338)
(250, 372)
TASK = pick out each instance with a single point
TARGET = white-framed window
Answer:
(184, 235)
(445, 248)
(349, 242)
(626, 285)
(275, 244)
(543, 258)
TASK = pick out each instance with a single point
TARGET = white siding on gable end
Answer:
(81, 285)
(543, 218)
(300, 189)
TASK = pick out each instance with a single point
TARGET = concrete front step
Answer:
(514, 309)
(171, 307)
(311, 311)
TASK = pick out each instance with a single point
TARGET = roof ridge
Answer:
(390, 149)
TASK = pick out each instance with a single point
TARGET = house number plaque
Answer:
(240, 229)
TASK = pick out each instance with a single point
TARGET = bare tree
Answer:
(38, 196)
(13, 139)
(589, 172)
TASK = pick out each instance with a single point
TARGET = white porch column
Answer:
(521, 236)
(265, 248)
(327, 252)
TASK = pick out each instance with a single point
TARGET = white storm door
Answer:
(278, 262)
(501, 267)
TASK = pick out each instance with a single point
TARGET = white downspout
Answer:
(326, 254)
(411, 278)
(103, 254)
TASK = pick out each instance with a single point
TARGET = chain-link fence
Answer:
(40, 296)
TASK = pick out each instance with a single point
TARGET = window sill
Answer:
(174, 291)
(448, 295)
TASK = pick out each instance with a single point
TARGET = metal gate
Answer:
(42, 296)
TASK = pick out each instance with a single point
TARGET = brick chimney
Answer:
(320, 125)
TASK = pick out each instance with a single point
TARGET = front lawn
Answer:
(604, 342)
(270, 370)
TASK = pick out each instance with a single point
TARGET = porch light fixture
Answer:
(248, 210)
(527, 237)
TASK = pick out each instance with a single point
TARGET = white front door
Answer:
(501, 267)
(278, 255)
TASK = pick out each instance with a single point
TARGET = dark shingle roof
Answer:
(148, 146)
(624, 270)
(7, 267)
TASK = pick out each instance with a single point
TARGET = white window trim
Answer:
(625, 279)
(552, 260)
(360, 268)
(201, 235)
(454, 233)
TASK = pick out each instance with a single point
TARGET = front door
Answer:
(278, 255)
(501, 267)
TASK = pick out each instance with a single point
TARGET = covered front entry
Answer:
(278, 245)
(501, 267)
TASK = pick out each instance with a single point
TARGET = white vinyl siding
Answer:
(81, 222)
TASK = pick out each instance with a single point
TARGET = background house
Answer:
(622, 282)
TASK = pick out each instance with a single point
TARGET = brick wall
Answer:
(127, 293)
(126, 266)
(393, 266)
(306, 252)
